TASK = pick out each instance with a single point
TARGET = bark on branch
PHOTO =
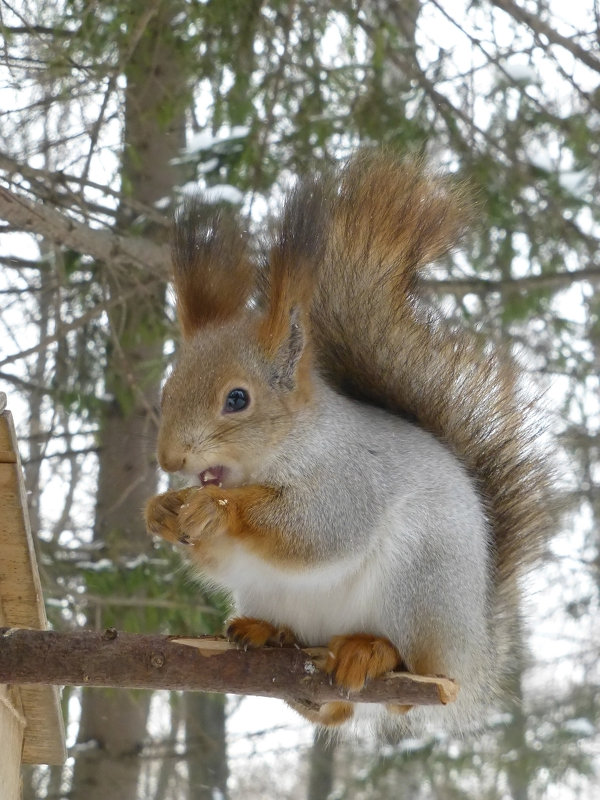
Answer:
(203, 663)
(43, 219)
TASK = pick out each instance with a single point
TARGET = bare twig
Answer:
(555, 280)
(93, 313)
(540, 27)
(135, 36)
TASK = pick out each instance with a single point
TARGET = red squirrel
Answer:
(367, 477)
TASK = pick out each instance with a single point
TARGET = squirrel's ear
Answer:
(213, 274)
(287, 358)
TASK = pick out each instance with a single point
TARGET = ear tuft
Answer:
(294, 252)
(213, 274)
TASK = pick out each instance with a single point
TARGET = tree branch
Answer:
(556, 280)
(204, 663)
(48, 183)
(44, 220)
(542, 28)
(75, 324)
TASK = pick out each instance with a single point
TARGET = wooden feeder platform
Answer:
(31, 723)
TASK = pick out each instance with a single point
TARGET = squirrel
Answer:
(367, 476)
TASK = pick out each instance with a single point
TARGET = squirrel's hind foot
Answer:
(352, 660)
(329, 714)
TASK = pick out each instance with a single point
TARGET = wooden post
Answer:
(12, 727)
(31, 725)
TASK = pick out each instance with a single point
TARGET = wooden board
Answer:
(12, 727)
(22, 600)
(12, 723)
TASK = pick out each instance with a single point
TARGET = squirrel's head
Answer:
(243, 371)
(229, 401)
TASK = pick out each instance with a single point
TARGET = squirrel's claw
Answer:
(162, 514)
(251, 632)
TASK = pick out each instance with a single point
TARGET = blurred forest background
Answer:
(109, 112)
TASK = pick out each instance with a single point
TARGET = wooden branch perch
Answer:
(203, 663)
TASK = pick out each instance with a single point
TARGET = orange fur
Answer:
(162, 514)
(213, 274)
(289, 277)
(398, 708)
(252, 632)
(284, 296)
(329, 714)
(210, 519)
(353, 659)
(247, 514)
(185, 517)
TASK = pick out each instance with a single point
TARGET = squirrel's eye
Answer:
(236, 400)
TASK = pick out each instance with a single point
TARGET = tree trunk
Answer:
(518, 770)
(154, 133)
(321, 767)
(206, 746)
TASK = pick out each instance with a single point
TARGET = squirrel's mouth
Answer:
(213, 476)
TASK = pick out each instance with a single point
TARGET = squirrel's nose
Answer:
(171, 460)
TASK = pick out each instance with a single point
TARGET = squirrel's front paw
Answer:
(203, 515)
(251, 632)
(353, 659)
(162, 513)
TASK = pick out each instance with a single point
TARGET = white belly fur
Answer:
(316, 603)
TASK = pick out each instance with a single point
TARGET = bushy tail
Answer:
(378, 340)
